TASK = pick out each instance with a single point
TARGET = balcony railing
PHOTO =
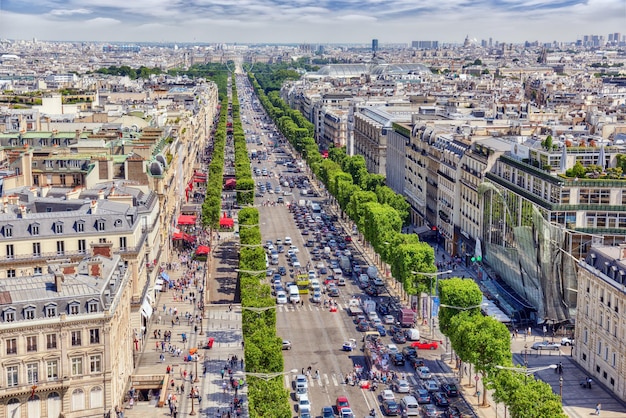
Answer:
(40, 256)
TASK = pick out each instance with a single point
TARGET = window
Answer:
(51, 311)
(12, 373)
(34, 229)
(62, 179)
(8, 231)
(614, 360)
(118, 222)
(585, 336)
(74, 309)
(60, 247)
(37, 271)
(599, 347)
(58, 228)
(92, 306)
(606, 353)
(31, 343)
(10, 251)
(32, 373)
(11, 273)
(51, 341)
(77, 366)
(80, 226)
(29, 313)
(100, 225)
(76, 338)
(94, 336)
(95, 364)
(11, 346)
(82, 246)
(52, 368)
(102, 240)
(9, 316)
(122, 243)
(36, 249)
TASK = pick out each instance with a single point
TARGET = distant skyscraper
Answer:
(425, 44)
(374, 45)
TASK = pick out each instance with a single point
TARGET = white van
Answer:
(413, 334)
(294, 294)
(410, 406)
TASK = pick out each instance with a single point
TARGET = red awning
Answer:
(230, 183)
(187, 220)
(177, 236)
(227, 222)
(202, 250)
(197, 179)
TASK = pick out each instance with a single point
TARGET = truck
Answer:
(406, 318)
(369, 306)
(372, 272)
(346, 266)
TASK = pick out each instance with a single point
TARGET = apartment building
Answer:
(600, 333)
(67, 346)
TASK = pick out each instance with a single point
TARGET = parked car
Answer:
(425, 345)
(546, 345)
(567, 341)
(327, 412)
(286, 345)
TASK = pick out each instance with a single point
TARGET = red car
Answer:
(422, 345)
(348, 238)
(342, 402)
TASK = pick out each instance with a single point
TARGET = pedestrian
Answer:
(598, 407)
(230, 308)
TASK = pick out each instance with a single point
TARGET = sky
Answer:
(309, 21)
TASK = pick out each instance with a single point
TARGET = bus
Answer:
(303, 283)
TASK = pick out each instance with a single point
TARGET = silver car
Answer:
(546, 345)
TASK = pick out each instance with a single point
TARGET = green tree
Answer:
(462, 293)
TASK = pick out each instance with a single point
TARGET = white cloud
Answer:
(70, 12)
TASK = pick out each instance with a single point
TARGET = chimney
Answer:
(101, 248)
(94, 206)
(58, 279)
(69, 268)
(100, 195)
(22, 211)
(5, 207)
(95, 268)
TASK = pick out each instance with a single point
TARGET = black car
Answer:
(372, 291)
(440, 399)
(409, 352)
(398, 359)
(391, 408)
(383, 309)
(282, 270)
(452, 412)
(398, 338)
(395, 329)
(416, 362)
(450, 390)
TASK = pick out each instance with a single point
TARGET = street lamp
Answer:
(253, 272)
(258, 310)
(527, 371)
(431, 325)
(561, 388)
(270, 376)
(191, 395)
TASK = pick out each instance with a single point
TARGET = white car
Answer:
(387, 395)
(294, 249)
(288, 241)
(302, 381)
(402, 386)
(346, 413)
(304, 405)
(424, 372)
(281, 298)
(389, 319)
(392, 348)
(567, 341)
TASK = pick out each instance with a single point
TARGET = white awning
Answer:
(158, 287)
(146, 309)
(159, 281)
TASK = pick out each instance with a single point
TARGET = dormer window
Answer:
(73, 308)
(80, 226)
(29, 312)
(9, 315)
(8, 231)
(51, 310)
(100, 225)
(58, 227)
(34, 229)
(117, 223)
(92, 306)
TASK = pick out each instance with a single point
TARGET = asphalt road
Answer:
(316, 334)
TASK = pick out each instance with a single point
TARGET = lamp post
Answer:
(561, 388)
(196, 380)
(525, 355)
(527, 371)
(191, 395)
(432, 294)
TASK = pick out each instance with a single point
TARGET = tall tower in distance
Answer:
(374, 45)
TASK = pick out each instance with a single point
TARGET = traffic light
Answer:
(479, 258)
(473, 259)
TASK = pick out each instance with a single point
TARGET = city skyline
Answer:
(308, 21)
